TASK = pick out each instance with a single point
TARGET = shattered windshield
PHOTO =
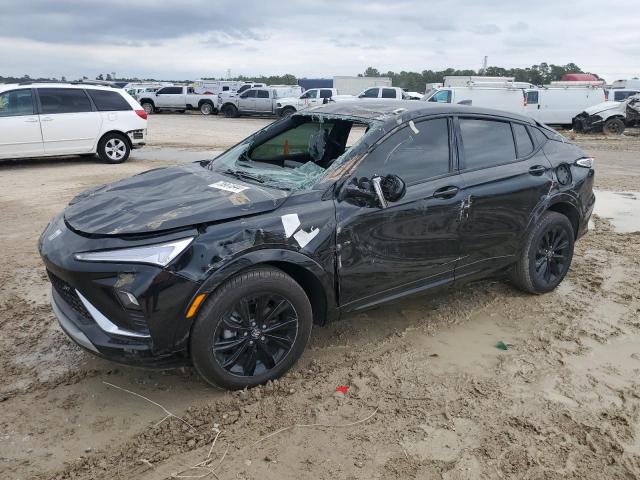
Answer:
(293, 153)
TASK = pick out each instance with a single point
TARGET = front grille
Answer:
(69, 295)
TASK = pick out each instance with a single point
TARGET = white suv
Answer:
(47, 119)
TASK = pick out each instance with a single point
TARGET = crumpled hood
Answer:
(168, 198)
(604, 107)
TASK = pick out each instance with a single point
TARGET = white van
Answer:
(558, 106)
(499, 98)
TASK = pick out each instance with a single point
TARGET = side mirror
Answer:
(378, 191)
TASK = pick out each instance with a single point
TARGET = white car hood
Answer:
(605, 107)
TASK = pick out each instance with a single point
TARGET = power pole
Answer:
(484, 64)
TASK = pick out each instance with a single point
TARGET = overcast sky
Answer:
(192, 39)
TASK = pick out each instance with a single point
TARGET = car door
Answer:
(505, 178)
(247, 101)
(264, 103)
(20, 134)
(384, 253)
(310, 98)
(532, 103)
(69, 122)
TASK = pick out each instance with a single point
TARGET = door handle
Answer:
(446, 192)
(46, 119)
(31, 120)
(537, 170)
(538, 106)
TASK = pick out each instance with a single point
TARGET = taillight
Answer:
(142, 114)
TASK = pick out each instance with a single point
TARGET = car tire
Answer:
(231, 111)
(206, 109)
(614, 126)
(287, 112)
(114, 148)
(546, 255)
(232, 348)
(148, 107)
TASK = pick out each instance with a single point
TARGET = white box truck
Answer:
(355, 85)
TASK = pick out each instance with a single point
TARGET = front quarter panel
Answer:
(224, 249)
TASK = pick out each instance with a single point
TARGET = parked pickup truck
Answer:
(256, 101)
(178, 99)
(310, 98)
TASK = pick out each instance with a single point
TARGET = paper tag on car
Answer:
(229, 187)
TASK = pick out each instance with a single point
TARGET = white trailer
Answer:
(510, 99)
(355, 85)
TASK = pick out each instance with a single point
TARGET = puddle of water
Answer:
(622, 209)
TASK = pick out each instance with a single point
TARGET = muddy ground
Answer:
(430, 395)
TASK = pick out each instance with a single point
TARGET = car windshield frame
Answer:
(236, 161)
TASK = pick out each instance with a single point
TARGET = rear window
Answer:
(620, 96)
(64, 100)
(523, 141)
(388, 93)
(325, 94)
(532, 98)
(486, 143)
(107, 101)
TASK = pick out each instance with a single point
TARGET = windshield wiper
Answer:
(239, 174)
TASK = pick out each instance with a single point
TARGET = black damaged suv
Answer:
(226, 264)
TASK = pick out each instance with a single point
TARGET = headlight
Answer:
(586, 162)
(160, 254)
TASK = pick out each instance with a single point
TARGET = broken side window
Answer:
(415, 153)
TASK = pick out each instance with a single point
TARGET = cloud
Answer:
(195, 38)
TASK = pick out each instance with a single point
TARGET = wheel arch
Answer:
(119, 132)
(314, 280)
(568, 210)
(147, 100)
(202, 101)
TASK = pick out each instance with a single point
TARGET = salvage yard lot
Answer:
(439, 399)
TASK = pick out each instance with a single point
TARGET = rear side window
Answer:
(370, 93)
(63, 100)
(414, 154)
(524, 145)
(16, 103)
(107, 101)
(388, 93)
(486, 143)
(263, 94)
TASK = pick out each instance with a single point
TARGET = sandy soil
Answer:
(430, 396)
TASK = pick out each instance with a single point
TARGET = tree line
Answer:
(540, 74)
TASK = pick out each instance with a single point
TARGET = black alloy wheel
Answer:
(255, 335)
(251, 329)
(552, 257)
(546, 254)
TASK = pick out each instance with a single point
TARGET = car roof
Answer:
(12, 86)
(391, 110)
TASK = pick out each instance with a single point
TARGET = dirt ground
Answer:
(429, 394)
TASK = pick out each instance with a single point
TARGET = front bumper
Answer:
(86, 298)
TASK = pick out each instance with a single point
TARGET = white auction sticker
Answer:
(229, 187)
